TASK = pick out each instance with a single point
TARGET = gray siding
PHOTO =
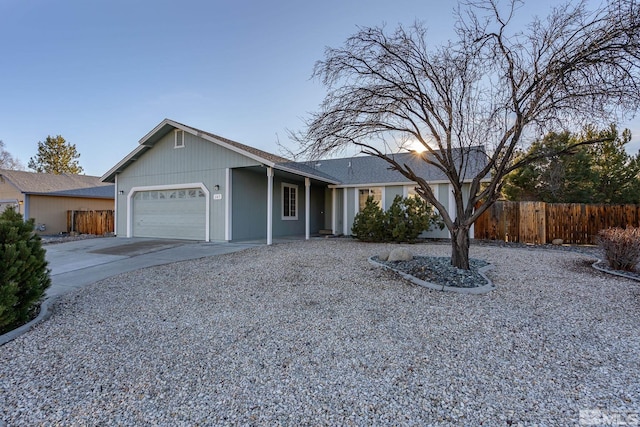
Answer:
(198, 161)
(249, 205)
(441, 191)
(328, 194)
(390, 193)
(317, 209)
(288, 227)
(339, 210)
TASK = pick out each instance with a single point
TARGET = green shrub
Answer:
(407, 218)
(24, 276)
(368, 225)
(621, 247)
(404, 221)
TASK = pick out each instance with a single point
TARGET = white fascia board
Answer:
(392, 184)
(128, 158)
(365, 185)
(156, 129)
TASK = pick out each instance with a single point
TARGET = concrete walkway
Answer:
(83, 262)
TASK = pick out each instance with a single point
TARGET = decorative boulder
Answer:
(383, 256)
(556, 241)
(400, 254)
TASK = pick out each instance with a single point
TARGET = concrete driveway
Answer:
(82, 262)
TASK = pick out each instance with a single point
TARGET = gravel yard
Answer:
(309, 333)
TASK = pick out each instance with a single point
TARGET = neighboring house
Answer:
(47, 197)
(185, 183)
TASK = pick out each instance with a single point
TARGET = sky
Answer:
(103, 73)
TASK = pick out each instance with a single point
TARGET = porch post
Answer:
(307, 204)
(115, 207)
(334, 214)
(345, 226)
(269, 206)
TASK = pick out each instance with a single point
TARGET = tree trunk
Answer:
(460, 248)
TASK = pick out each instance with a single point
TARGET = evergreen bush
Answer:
(404, 221)
(24, 276)
(621, 247)
(368, 225)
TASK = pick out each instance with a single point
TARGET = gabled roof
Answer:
(351, 171)
(360, 170)
(168, 125)
(58, 185)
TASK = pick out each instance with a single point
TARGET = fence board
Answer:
(532, 227)
(538, 222)
(90, 222)
(499, 222)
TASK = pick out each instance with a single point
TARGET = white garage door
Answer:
(173, 214)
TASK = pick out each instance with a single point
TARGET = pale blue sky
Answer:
(103, 73)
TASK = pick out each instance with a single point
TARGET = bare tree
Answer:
(494, 87)
(7, 161)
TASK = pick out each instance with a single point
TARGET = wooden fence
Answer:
(90, 222)
(539, 222)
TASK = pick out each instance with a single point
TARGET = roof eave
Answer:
(110, 176)
(79, 196)
(306, 175)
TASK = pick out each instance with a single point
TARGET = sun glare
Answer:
(416, 146)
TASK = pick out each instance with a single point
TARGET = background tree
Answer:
(599, 173)
(57, 156)
(500, 84)
(7, 161)
(617, 173)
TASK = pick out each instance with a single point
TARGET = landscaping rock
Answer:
(400, 254)
(383, 256)
(557, 242)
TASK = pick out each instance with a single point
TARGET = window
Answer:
(411, 191)
(364, 193)
(289, 201)
(179, 136)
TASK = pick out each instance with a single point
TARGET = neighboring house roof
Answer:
(58, 185)
(374, 170)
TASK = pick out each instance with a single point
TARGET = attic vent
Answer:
(179, 138)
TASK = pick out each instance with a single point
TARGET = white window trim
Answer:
(357, 197)
(178, 141)
(408, 188)
(297, 201)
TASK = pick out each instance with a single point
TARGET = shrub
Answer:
(621, 247)
(404, 221)
(407, 218)
(368, 225)
(24, 276)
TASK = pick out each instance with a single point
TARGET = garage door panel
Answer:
(178, 214)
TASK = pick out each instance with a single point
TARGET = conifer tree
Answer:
(24, 276)
(56, 156)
